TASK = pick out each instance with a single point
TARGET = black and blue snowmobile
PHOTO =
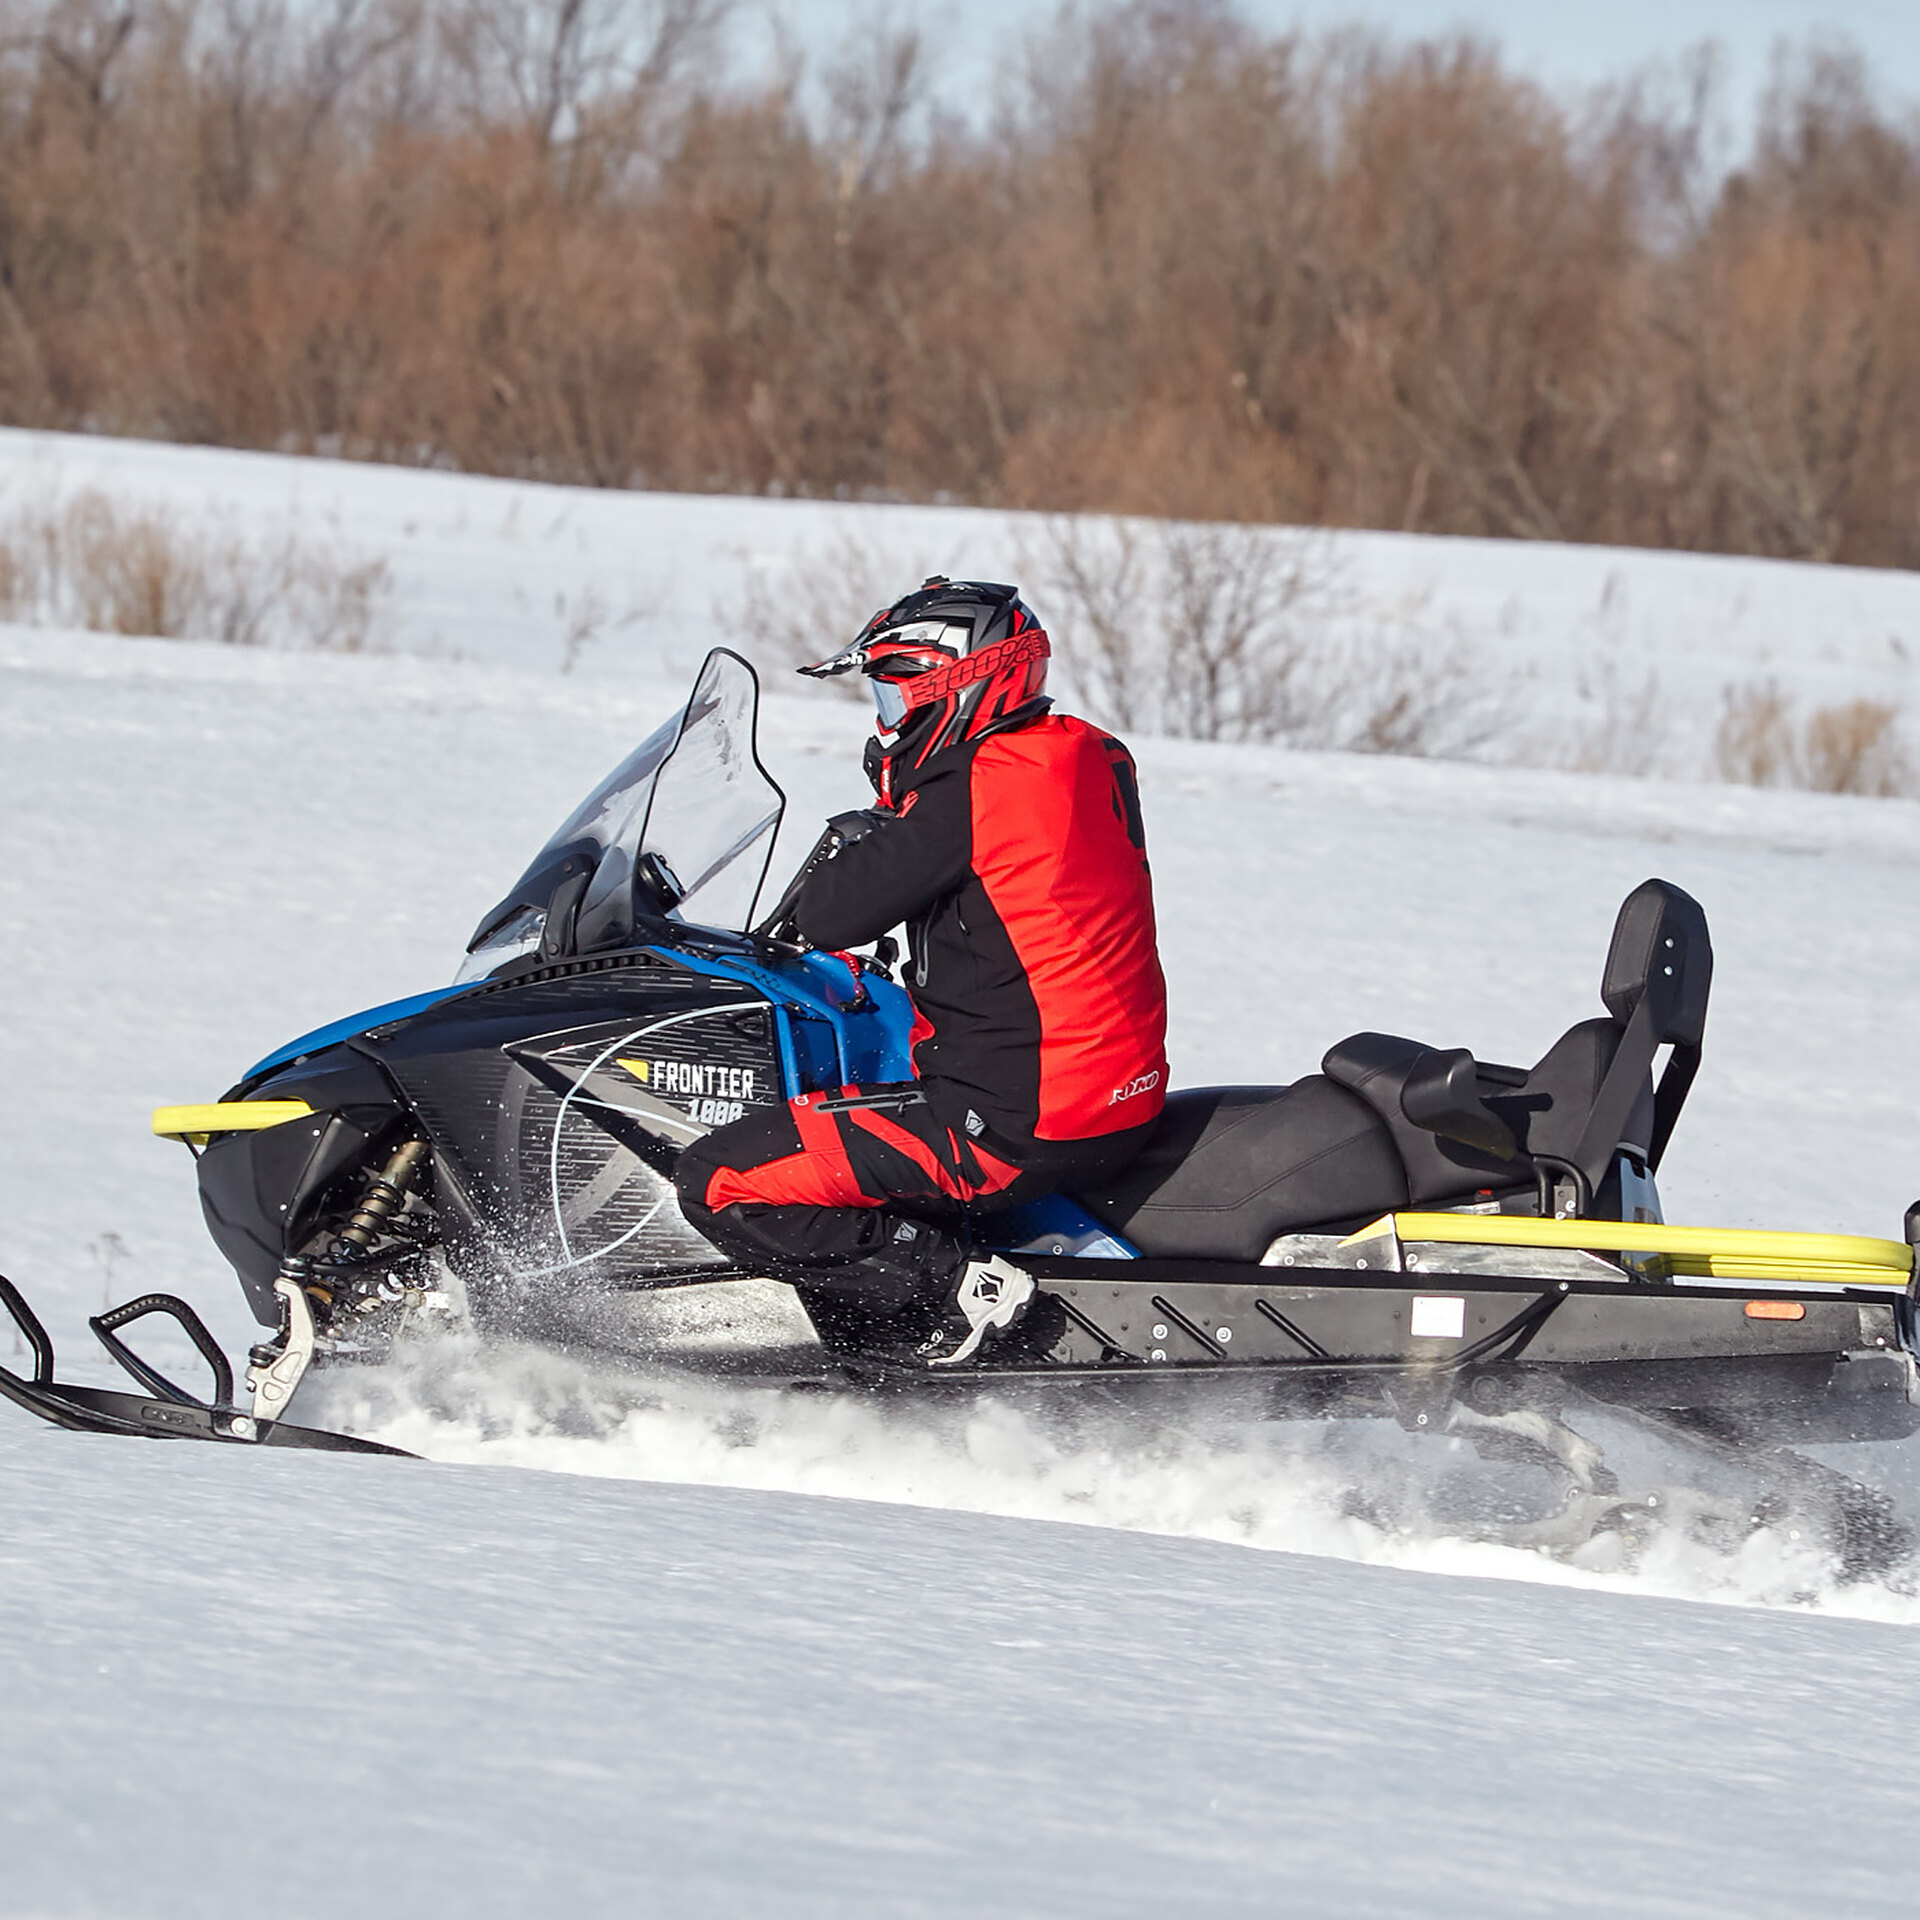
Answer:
(1410, 1233)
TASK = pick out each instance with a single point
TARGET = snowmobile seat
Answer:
(1462, 1126)
(1228, 1169)
(1434, 1107)
(1390, 1122)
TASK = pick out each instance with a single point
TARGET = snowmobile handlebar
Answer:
(777, 929)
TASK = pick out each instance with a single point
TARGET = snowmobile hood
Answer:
(355, 1023)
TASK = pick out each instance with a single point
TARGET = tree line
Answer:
(1180, 267)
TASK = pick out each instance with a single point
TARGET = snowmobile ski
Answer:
(168, 1412)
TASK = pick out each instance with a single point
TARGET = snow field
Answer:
(588, 1689)
(1580, 651)
(357, 1687)
(332, 828)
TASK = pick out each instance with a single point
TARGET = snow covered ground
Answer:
(1618, 658)
(339, 1688)
(657, 1679)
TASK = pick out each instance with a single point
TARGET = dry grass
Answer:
(1853, 747)
(1629, 732)
(96, 564)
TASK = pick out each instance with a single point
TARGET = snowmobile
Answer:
(1411, 1233)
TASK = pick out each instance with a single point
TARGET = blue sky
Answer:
(1568, 45)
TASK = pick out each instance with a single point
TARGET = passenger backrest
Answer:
(1377, 1066)
(1658, 973)
(1660, 956)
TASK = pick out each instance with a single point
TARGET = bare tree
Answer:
(552, 64)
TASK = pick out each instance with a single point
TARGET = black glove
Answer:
(841, 831)
(845, 828)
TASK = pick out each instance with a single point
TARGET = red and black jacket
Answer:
(1018, 864)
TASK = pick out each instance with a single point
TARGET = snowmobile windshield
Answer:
(683, 828)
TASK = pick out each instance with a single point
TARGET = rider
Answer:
(1008, 841)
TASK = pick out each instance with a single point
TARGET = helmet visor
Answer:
(889, 703)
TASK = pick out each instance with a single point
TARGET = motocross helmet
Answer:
(950, 662)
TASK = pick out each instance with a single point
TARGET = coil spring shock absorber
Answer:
(275, 1367)
(382, 1200)
(385, 1197)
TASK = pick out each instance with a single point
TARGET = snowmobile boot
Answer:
(992, 1298)
(908, 1266)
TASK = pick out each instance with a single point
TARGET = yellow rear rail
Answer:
(199, 1124)
(1706, 1253)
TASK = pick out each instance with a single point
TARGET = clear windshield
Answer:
(714, 809)
(684, 825)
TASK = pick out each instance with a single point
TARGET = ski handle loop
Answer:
(31, 1331)
(107, 1326)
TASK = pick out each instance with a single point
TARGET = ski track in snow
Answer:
(1342, 1490)
(715, 1695)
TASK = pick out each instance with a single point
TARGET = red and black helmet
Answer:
(949, 662)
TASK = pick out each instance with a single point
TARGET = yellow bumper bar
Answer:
(198, 1124)
(1701, 1253)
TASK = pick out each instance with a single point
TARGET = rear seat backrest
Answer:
(1658, 974)
(1660, 954)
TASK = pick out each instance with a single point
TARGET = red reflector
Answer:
(1775, 1310)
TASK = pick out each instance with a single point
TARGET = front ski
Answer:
(169, 1413)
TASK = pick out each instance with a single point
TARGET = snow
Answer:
(354, 1687)
(632, 1645)
(1562, 639)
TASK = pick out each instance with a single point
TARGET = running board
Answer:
(167, 1414)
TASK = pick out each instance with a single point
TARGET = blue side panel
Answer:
(872, 1038)
(331, 1036)
(1055, 1223)
(874, 1043)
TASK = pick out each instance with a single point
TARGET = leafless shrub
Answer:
(1246, 633)
(97, 564)
(813, 601)
(1851, 747)
(1754, 745)
(1629, 731)
(1094, 603)
(586, 617)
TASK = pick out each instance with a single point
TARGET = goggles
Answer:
(889, 703)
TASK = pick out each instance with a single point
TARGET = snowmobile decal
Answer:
(603, 1197)
(712, 1085)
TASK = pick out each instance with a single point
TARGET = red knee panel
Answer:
(945, 1169)
(819, 1175)
(944, 1178)
(1000, 1174)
